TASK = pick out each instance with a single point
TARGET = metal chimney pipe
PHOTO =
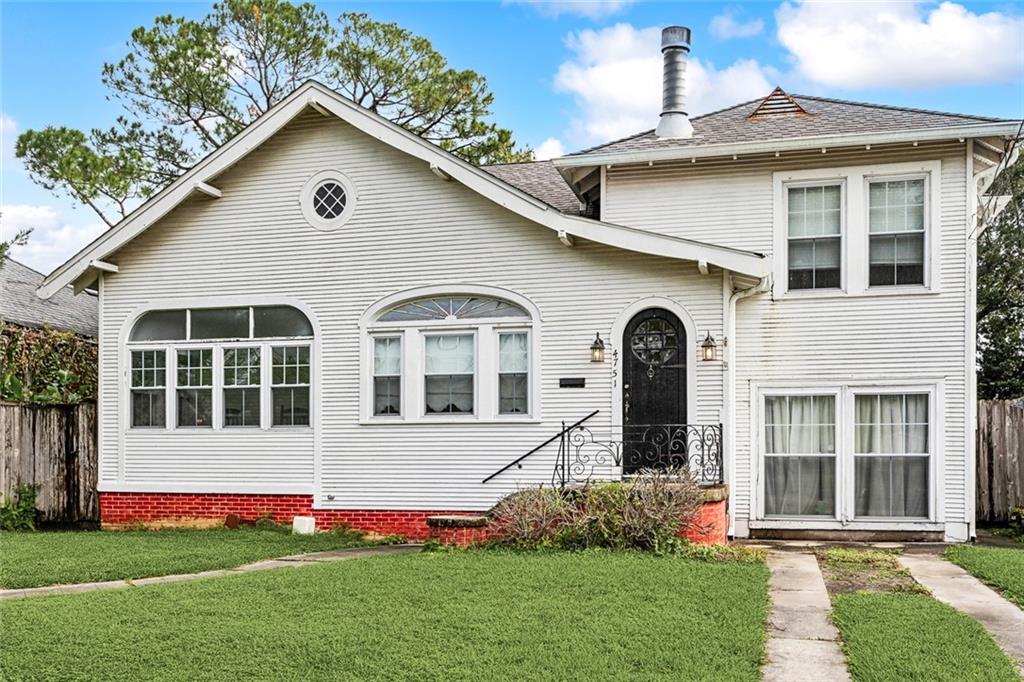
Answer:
(675, 47)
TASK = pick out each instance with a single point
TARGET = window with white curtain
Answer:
(800, 455)
(892, 450)
(896, 223)
(450, 357)
(513, 373)
(814, 228)
(387, 375)
(449, 373)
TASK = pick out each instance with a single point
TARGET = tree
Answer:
(1001, 294)
(190, 85)
(19, 239)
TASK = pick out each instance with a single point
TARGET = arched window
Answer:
(452, 355)
(221, 368)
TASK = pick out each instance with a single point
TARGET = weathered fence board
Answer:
(1000, 439)
(53, 446)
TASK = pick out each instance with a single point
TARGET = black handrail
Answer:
(553, 438)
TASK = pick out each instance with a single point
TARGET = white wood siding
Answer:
(820, 340)
(409, 229)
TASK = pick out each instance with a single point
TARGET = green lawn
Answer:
(889, 637)
(473, 615)
(1002, 568)
(34, 559)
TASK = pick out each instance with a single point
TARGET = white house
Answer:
(331, 316)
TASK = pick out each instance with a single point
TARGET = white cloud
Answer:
(615, 77)
(53, 239)
(900, 44)
(591, 9)
(550, 148)
(725, 26)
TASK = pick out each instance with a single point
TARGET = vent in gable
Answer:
(778, 103)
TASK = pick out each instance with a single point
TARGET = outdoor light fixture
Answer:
(708, 348)
(597, 349)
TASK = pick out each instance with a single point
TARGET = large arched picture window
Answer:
(456, 355)
(221, 368)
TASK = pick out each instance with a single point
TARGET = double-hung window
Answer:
(450, 373)
(513, 373)
(891, 452)
(800, 455)
(290, 385)
(195, 387)
(814, 229)
(148, 388)
(387, 375)
(242, 386)
(896, 225)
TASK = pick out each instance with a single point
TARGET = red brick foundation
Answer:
(118, 509)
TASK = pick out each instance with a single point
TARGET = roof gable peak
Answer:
(777, 103)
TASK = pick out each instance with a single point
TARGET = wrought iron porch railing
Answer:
(585, 451)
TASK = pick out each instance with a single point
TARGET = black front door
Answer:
(653, 388)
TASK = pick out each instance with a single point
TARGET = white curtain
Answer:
(891, 447)
(797, 483)
(450, 363)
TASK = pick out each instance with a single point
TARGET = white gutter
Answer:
(789, 144)
(764, 285)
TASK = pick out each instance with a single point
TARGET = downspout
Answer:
(763, 285)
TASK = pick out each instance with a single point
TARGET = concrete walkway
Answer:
(802, 642)
(955, 586)
(265, 565)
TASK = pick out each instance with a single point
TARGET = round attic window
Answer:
(327, 200)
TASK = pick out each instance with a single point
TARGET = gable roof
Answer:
(777, 103)
(83, 268)
(539, 179)
(825, 117)
(19, 304)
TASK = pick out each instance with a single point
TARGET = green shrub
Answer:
(646, 512)
(18, 511)
(1017, 521)
(46, 366)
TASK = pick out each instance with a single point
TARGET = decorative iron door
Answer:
(654, 347)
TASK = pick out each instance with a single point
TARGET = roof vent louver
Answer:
(778, 103)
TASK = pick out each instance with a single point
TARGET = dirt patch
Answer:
(851, 570)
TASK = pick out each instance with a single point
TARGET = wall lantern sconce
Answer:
(597, 349)
(708, 348)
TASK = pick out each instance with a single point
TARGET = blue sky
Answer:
(565, 74)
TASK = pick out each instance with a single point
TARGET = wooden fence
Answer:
(1000, 438)
(53, 446)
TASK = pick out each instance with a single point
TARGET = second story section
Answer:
(847, 198)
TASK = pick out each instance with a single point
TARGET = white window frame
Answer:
(929, 232)
(845, 462)
(498, 333)
(213, 387)
(836, 394)
(402, 375)
(261, 352)
(784, 253)
(413, 332)
(268, 399)
(217, 346)
(855, 239)
(168, 380)
(306, 200)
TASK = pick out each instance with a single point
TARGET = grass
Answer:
(48, 558)
(1002, 568)
(467, 615)
(849, 570)
(901, 636)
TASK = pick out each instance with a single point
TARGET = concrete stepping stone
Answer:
(802, 641)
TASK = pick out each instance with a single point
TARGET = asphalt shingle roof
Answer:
(20, 305)
(540, 180)
(824, 117)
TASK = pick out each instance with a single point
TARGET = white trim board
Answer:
(322, 98)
